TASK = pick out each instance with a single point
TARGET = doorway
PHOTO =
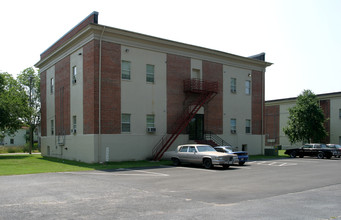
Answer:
(196, 127)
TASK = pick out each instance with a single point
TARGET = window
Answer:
(247, 126)
(126, 68)
(184, 149)
(150, 121)
(192, 149)
(150, 73)
(339, 140)
(11, 141)
(233, 85)
(125, 122)
(196, 74)
(74, 74)
(52, 127)
(339, 113)
(233, 125)
(74, 124)
(51, 85)
(247, 87)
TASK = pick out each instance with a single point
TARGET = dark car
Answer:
(242, 155)
(314, 150)
(337, 149)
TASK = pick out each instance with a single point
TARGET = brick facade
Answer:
(62, 96)
(257, 101)
(178, 69)
(90, 87)
(214, 109)
(325, 106)
(111, 88)
(271, 125)
(43, 103)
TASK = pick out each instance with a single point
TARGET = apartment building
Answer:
(112, 95)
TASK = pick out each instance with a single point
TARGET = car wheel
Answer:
(293, 154)
(320, 155)
(207, 163)
(225, 166)
(241, 163)
(176, 161)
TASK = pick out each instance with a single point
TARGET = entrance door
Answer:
(196, 127)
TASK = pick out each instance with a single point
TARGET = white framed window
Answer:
(233, 85)
(247, 87)
(233, 125)
(51, 85)
(74, 124)
(52, 127)
(247, 126)
(125, 122)
(11, 141)
(150, 121)
(74, 74)
(150, 69)
(340, 113)
(126, 69)
(196, 74)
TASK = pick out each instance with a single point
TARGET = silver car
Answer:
(202, 154)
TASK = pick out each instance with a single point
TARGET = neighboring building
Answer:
(150, 90)
(277, 116)
(15, 140)
(18, 139)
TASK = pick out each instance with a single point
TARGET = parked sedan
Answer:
(201, 154)
(337, 149)
(242, 155)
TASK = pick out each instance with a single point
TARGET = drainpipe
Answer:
(99, 96)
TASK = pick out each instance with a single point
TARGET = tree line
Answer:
(19, 102)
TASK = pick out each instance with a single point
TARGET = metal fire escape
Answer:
(198, 92)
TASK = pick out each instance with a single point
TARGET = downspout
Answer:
(262, 123)
(99, 96)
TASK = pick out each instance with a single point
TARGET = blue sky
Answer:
(302, 38)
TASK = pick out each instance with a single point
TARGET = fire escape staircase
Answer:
(198, 93)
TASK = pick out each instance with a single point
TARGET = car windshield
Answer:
(228, 150)
(205, 148)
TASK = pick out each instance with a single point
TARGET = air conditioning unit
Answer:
(233, 131)
(151, 130)
(74, 131)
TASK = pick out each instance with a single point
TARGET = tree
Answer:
(306, 120)
(13, 105)
(30, 80)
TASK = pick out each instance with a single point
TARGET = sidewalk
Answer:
(18, 153)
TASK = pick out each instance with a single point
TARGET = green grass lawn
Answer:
(35, 163)
(28, 164)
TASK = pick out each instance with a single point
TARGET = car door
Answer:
(182, 154)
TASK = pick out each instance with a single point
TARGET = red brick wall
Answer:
(62, 96)
(257, 101)
(178, 69)
(90, 87)
(271, 124)
(325, 106)
(89, 20)
(111, 88)
(214, 109)
(43, 102)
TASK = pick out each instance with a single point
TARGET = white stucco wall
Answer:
(238, 106)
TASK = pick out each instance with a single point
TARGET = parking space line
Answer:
(189, 168)
(118, 173)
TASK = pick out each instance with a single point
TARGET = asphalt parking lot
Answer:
(299, 188)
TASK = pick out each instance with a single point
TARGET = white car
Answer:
(202, 154)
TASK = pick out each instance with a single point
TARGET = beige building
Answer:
(112, 95)
(277, 114)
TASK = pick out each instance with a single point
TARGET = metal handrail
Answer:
(216, 139)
